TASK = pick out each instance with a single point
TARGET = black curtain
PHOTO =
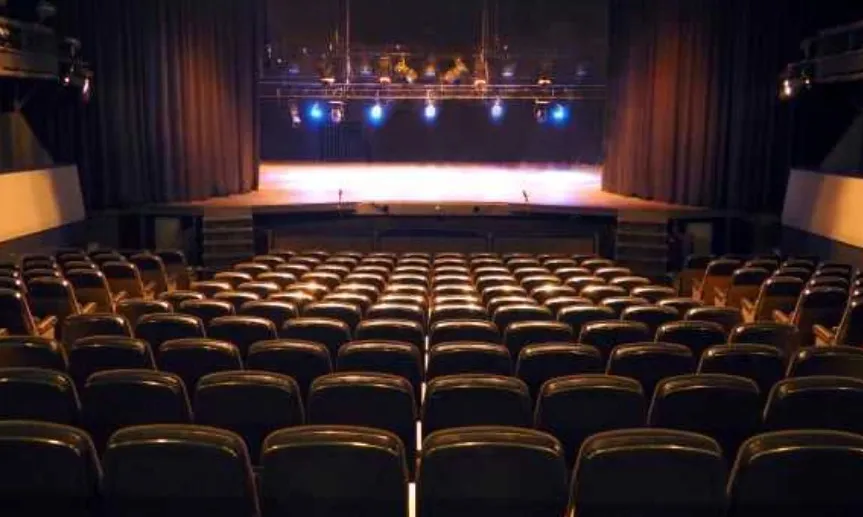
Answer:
(694, 115)
(174, 115)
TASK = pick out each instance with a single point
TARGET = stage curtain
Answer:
(694, 115)
(174, 114)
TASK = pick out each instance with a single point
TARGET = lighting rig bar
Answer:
(278, 90)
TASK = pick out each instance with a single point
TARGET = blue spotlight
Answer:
(376, 114)
(430, 111)
(316, 113)
(559, 114)
(497, 110)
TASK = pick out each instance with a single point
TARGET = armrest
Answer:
(89, 308)
(45, 326)
(748, 310)
(719, 296)
(696, 288)
(823, 335)
(781, 317)
(119, 297)
(149, 290)
(4, 332)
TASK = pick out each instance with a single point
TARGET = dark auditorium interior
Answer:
(431, 258)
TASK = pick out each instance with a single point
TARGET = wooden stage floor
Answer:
(294, 186)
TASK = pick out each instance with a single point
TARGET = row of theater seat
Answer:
(180, 470)
(822, 299)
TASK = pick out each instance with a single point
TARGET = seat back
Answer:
(393, 357)
(275, 311)
(605, 335)
(649, 472)
(134, 308)
(726, 317)
(842, 361)
(391, 330)
(332, 333)
(654, 316)
(778, 293)
(153, 271)
(194, 358)
(37, 394)
(694, 268)
(15, 315)
(788, 473)
(575, 407)
(124, 277)
(745, 283)
(252, 404)
(784, 337)
(764, 364)
(821, 402)
(577, 316)
(207, 310)
(649, 363)
(202, 471)
(115, 399)
(475, 399)
(82, 326)
(332, 471)
(47, 469)
(501, 471)
(101, 353)
(542, 362)
(242, 331)
(818, 305)
(698, 336)
(304, 361)
(850, 331)
(33, 352)
(724, 407)
(159, 328)
(520, 334)
(717, 276)
(52, 297)
(461, 357)
(464, 330)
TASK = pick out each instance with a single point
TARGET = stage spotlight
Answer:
(337, 112)
(430, 111)
(376, 114)
(497, 110)
(316, 113)
(559, 114)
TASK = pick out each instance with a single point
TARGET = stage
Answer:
(415, 188)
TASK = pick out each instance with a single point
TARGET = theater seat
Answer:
(542, 362)
(605, 335)
(175, 298)
(577, 316)
(37, 394)
(843, 361)
(391, 330)
(374, 400)
(115, 399)
(17, 319)
(523, 333)
(194, 358)
(649, 472)
(776, 293)
(124, 277)
(698, 336)
(252, 404)
(159, 328)
(727, 317)
(201, 471)
(211, 288)
(242, 331)
(334, 471)
(501, 471)
(654, 316)
(393, 357)
(822, 402)
(275, 311)
(745, 283)
(475, 399)
(717, 276)
(304, 361)
(464, 330)
(398, 311)
(654, 293)
(237, 298)
(207, 310)
(329, 332)
(849, 332)
(764, 364)
(785, 337)
(348, 313)
(134, 308)
(797, 473)
(101, 353)
(54, 298)
(575, 407)
(597, 293)
(725, 407)
(33, 352)
(649, 363)
(461, 357)
(47, 469)
(817, 306)
(153, 272)
(683, 305)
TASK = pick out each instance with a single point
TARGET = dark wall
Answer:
(463, 131)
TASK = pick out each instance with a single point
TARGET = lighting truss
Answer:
(283, 90)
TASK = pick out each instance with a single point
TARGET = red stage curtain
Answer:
(694, 115)
(174, 116)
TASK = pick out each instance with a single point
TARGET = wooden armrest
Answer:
(149, 290)
(696, 286)
(45, 326)
(719, 296)
(119, 297)
(781, 317)
(89, 308)
(823, 335)
(4, 332)
(747, 304)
